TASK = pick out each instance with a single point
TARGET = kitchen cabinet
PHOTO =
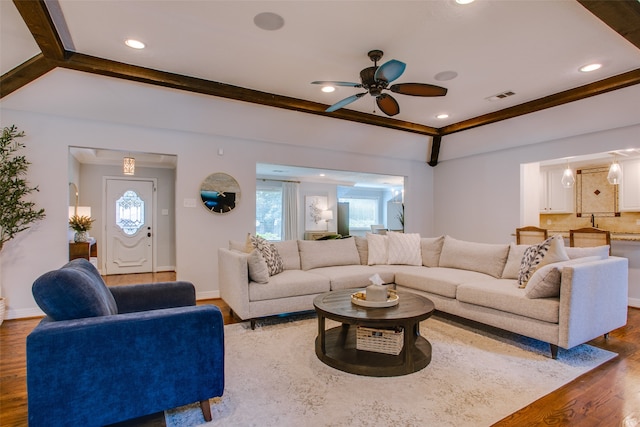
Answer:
(554, 198)
(629, 187)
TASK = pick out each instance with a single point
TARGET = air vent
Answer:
(500, 96)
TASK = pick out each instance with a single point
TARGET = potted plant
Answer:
(16, 213)
(80, 224)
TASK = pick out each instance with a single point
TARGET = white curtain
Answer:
(290, 210)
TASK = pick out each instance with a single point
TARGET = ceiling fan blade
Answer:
(344, 102)
(389, 71)
(326, 82)
(418, 89)
(388, 104)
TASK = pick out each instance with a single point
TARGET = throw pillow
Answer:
(404, 248)
(258, 269)
(545, 282)
(484, 258)
(378, 249)
(363, 249)
(431, 247)
(269, 253)
(536, 256)
(512, 267)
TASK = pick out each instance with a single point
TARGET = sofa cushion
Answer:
(74, 291)
(327, 253)
(514, 260)
(288, 250)
(504, 295)
(352, 276)
(536, 256)
(430, 249)
(378, 249)
(258, 269)
(269, 253)
(437, 280)
(545, 282)
(599, 251)
(481, 257)
(363, 249)
(404, 248)
(289, 283)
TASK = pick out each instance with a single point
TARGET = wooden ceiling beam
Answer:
(36, 15)
(597, 88)
(623, 16)
(24, 74)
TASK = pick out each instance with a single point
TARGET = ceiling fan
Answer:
(376, 79)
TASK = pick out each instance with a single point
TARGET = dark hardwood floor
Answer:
(607, 396)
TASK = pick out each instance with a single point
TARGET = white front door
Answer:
(129, 226)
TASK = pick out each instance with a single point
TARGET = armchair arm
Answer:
(100, 370)
(153, 296)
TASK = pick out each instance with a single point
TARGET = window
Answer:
(130, 212)
(269, 210)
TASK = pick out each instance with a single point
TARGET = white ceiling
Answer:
(533, 48)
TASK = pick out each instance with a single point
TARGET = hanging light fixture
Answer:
(129, 166)
(615, 172)
(567, 177)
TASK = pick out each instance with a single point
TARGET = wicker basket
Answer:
(388, 341)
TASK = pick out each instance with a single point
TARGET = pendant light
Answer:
(567, 177)
(615, 173)
(129, 166)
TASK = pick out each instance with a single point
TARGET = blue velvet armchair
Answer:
(107, 354)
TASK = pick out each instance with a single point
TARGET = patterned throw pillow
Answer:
(531, 259)
(269, 253)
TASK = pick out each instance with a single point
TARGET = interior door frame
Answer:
(154, 218)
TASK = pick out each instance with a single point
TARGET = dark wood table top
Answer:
(337, 305)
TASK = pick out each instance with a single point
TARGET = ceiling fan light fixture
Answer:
(134, 44)
(464, 1)
(590, 67)
(328, 89)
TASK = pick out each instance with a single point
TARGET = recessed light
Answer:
(268, 21)
(590, 67)
(328, 89)
(442, 116)
(464, 1)
(134, 44)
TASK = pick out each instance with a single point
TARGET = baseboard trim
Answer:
(23, 313)
(634, 302)
(207, 295)
(164, 268)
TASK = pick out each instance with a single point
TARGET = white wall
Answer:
(198, 232)
(478, 197)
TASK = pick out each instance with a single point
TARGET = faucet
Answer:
(593, 221)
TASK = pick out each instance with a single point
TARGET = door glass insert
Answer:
(130, 212)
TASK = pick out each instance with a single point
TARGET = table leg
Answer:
(321, 333)
(344, 332)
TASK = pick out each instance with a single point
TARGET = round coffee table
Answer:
(337, 347)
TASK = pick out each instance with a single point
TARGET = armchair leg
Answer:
(206, 410)
(554, 351)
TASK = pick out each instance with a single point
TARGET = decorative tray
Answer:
(360, 298)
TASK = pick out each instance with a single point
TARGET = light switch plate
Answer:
(189, 203)
(165, 211)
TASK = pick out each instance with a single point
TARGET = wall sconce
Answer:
(326, 216)
(615, 173)
(567, 177)
(129, 166)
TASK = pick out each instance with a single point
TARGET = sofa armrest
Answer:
(153, 296)
(593, 300)
(126, 365)
(233, 281)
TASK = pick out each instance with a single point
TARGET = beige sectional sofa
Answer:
(576, 295)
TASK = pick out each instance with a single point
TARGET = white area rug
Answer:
(475, 378)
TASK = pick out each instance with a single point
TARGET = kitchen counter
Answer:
(628, 237)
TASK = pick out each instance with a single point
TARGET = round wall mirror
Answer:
(220, 193)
